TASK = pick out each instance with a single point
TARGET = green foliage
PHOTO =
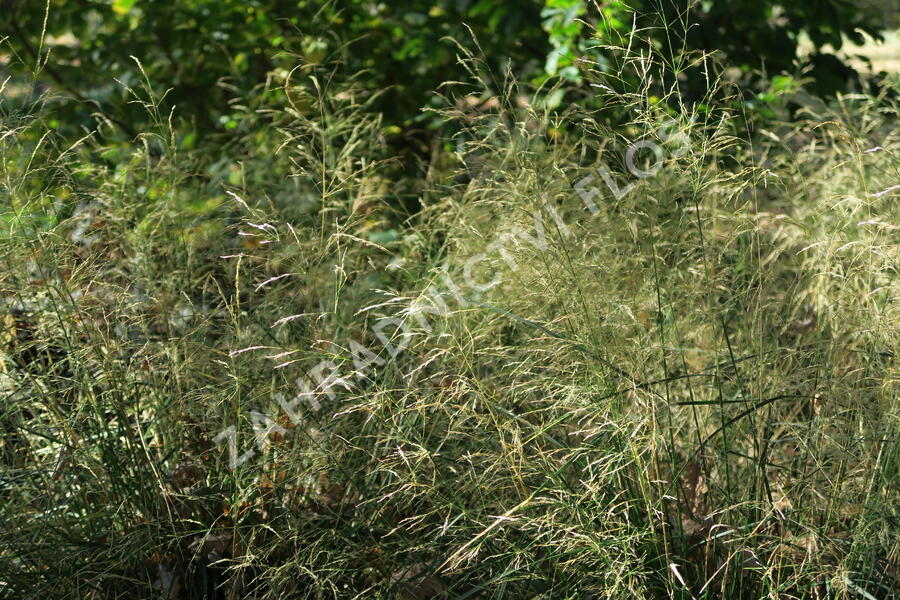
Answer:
(561, 22)
(764, 35)
(686, 391)
(689, 392)
(762, 38)
(212, 53)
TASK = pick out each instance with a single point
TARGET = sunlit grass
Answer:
(688, 392)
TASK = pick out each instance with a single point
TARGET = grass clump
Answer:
(286, 371)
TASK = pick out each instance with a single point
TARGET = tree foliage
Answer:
(209, 52)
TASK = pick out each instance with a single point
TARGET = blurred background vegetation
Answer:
(213, 54)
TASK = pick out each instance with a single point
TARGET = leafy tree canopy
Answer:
(209, 52)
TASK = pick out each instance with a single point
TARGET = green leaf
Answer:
(122, 7)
